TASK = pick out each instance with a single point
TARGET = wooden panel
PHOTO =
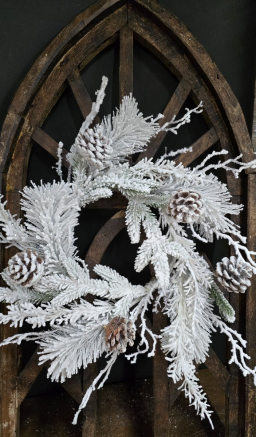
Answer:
(45, 97)
(103, 33)
(39, 69)
(28, 376)
(235, 417)
(126, 62)
(9, 420)
(208, 70)
(173, 107)
(250, 412)
(156, 40)
(218, 370)
(254, 121)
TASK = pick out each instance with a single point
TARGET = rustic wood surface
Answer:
(254, 121)
(59, 67)
(124, 410)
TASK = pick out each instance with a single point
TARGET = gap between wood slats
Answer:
(49, 144)
(173, 107)
(81, 94)
(32, 370)
(198, 147)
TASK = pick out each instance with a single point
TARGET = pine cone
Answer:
(25, 268)
(185, 206)
(96, 148)
(234, 274)
(119, 333)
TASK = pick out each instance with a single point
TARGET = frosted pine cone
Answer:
(96, 148)
(185, 206)
(25, 268)
(119, 333)
(234, 274)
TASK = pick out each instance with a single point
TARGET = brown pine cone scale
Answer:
(120, 332)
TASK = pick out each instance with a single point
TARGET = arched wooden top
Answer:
(55, 61)
(59, 66)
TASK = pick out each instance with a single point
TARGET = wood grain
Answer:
(126, 62)
(81, 94)
(173, 107)
(250, 406)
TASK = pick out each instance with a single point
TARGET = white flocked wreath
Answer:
(47, 283)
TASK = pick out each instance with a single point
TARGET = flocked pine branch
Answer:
(169, 207)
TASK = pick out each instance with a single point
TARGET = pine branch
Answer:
(225, 309)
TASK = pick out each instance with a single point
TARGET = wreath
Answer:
(47, 283)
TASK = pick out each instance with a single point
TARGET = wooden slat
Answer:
(218, 370)
(48, 144)
(208, 69)
(81, 94)
(250, 411)
(42, 101)
(126, 62)
(254, 121)
(173, 107)
(200, 146)
(103, 238)
(73, 387)
(38, 71)
(156, 40)
(9, 420)
(28, 376)
(235, 417)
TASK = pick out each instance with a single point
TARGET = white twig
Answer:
(92, 387)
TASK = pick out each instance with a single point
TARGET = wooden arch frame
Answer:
(59, 66)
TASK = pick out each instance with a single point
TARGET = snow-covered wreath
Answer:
(47, 282)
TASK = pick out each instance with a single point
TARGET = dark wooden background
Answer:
(225, 28)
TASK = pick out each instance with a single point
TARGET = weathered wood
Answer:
(218, 370)
(250, 406)
(73, 387)
(47, 79)
(198, 147)
(254, 122)
(235, 415)
(49, 144)
(209, 71)
(43, 100)
(9, 419)
(81, 94)
(28, 376)
(126, 62)
(173, 107)
(39, 69)
(156, 40)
